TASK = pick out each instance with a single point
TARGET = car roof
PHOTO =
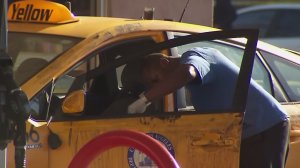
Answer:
(87, 26)
(280, 52)
(269, 6)
(81, 29)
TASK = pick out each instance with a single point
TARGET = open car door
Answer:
(207, 139)
(194, 139)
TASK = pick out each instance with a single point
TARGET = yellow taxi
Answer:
(81, 73)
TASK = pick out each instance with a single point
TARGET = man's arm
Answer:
(172, 81)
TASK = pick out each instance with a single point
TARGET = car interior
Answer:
(109, 88)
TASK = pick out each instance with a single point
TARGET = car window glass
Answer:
(32, 52)
(235, 54)
(40, 102)
(56, 92)
(261, 75)
(285, 24)
(255, 19)
(109, 92)
(64, 83)
(288, 74)
(61, 87)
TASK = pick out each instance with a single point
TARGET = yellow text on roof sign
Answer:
(40, 12)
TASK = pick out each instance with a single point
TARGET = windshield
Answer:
(32, 52)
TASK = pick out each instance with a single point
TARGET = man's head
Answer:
(155, 67)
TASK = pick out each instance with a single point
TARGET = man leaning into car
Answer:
(211, 78)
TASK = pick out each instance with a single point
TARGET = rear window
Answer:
(32, 52)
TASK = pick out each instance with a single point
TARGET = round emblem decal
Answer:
(137, 159)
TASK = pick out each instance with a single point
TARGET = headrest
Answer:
(131, 77)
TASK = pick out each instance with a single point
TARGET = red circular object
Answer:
(141, 141)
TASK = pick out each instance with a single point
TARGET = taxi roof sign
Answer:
(40, 11)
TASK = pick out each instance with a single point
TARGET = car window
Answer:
(99, 91)
(255, 19)
(64, 83)
(285, 24)
(288, 74)
(235, 54)
(32, 52)
(56, 91)
(107, 93)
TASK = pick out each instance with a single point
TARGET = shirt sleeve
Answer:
(199, 63)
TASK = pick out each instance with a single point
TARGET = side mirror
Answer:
(74, 102)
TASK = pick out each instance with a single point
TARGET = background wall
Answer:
(197, 11)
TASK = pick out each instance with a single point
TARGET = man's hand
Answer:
(139, 106)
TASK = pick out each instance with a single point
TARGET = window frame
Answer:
(243, 80)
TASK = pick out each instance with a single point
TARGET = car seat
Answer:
(132, 86)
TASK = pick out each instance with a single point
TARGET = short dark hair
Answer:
(153, 60)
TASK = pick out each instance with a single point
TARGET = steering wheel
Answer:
(141, 141)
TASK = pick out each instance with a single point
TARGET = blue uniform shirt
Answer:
(215, 88)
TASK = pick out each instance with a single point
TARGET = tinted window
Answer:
(255, 19)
